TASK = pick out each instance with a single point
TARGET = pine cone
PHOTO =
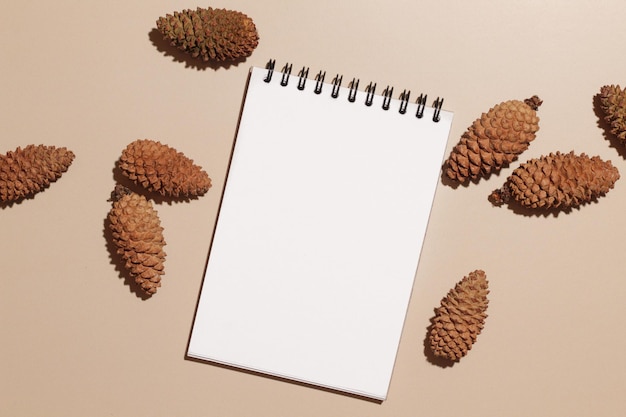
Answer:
(138, 235)
(27, 171)
(460, 318)
(494, 140)
(559, 181)
(613, 104)
(210, 34)
(160, 168)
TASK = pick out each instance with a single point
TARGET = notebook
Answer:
(319, 232)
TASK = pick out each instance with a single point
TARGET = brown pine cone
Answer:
(559, 181)
(162, 169)
(460, 318)
(138, 235)
(27, 171)
(210, 34)
(494, 140)
(613, 104)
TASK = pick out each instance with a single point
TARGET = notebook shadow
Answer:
(261, 374)
(167, 49)
(282, 379)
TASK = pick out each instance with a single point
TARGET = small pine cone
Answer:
(559, 181)
(613, 104)
(138, 235)
(160, 168)
(210, 34)
(27, 171)
(494, 140)
(460, 318)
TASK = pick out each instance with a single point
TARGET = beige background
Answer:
(93, 76)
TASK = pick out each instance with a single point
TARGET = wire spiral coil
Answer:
(353, 90)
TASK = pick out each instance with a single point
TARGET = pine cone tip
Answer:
(500, 196)
(533, 102)
(609, 89)
(118, 192)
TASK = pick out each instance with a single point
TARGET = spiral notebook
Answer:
(319, 232)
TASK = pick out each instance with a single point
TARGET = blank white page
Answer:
(319, 234)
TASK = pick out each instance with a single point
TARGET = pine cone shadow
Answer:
(116, 259)
(551, 212)
(614, 141)
(28, 197)
(448, 182)
(428, 353)
(528, 212)
(8, 204)
(167, 49)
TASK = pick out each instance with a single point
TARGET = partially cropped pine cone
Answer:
(557, 181)
(27, 171)
(494, 140)
(613, 104)
(210, 34)
(162, 169)
(460, 318)
(138, 235)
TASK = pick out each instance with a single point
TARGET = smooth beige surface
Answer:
(94, 76)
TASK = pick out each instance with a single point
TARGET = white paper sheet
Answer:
(319, 234)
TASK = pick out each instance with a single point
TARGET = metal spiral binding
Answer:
(421, 104)
(286, 73)
(369, 98)
(319, 82)
(354, 86)
(387, 93)
(353, 90)
(336, 85)
(438, 106)
(270, 70)
(302, 78)
(404, 101)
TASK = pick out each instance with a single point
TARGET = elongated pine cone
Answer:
(460, 318)
(494, 140)
(27, 171)
(613, 104)
(210, 34)
(138, 235)
(559, 181)
(162, 169)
